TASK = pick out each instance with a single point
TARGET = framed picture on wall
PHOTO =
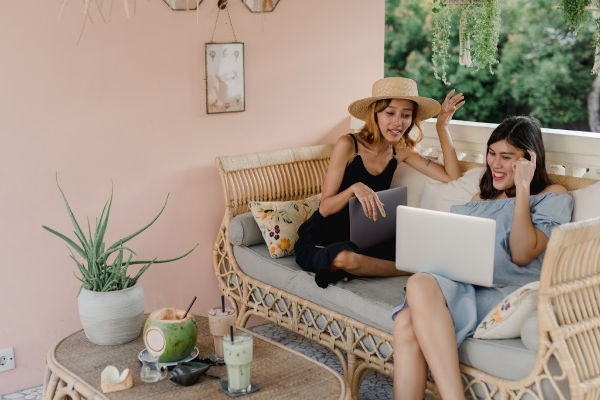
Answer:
(225, 77)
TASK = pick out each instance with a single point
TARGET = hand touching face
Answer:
(524, 170)
(509, 166)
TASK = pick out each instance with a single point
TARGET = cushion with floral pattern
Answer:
(279, 222)
(504, 321)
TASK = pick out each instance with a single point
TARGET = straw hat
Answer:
(396, 88)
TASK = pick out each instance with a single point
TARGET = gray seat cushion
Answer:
(371, 300)
(368, 300)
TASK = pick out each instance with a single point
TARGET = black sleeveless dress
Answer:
(322, 238)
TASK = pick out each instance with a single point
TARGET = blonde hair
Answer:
(371, 134)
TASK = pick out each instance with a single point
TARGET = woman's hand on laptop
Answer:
(369, 200)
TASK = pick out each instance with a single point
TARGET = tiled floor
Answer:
(374, 387)
(34, 393)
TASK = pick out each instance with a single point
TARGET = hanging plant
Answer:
(574, 12)
(479, 32)
(596, 67)
(483, 28)
(441, 25)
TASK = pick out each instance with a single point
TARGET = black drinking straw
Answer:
(188, 309)
(231, 333)
(223, 303)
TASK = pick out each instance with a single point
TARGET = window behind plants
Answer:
(543, 69)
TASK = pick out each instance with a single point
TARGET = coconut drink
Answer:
(169, 336)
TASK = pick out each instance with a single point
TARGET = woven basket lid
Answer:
(396, 88)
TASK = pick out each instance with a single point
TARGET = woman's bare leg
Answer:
(434, 329)
(361, 265)
(410, 369)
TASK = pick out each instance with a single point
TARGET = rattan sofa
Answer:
(567, 361)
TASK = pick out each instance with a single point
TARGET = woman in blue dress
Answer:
(438, 313)
(363, 164)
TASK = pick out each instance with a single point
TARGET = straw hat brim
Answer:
(427, 107)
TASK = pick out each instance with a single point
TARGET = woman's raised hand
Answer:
(451, 103)
(524, 170)
(369, 200)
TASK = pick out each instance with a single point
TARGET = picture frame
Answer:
(225, 83)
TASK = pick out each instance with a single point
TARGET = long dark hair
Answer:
(523, 133)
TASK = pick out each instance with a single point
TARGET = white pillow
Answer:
(504, 321)
(406, 175)
(441, 196)
(586, 202)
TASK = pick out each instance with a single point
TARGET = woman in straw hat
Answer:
(363, 164)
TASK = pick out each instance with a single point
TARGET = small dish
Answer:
(145, 356)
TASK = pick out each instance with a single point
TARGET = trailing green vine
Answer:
(479, 32)
(483, 27)
(574, 12)
(441, 23)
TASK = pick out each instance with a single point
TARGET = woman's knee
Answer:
(423, 289)
(403, 328)
(345, 260)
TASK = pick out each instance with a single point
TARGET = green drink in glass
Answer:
(238, 358)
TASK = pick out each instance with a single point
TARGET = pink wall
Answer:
(127, 107)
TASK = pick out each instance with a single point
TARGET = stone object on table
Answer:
(111, 380)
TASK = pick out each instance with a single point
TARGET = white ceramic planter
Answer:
(111, 317)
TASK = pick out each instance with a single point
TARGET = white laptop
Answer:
(458, 247)
(366, 233)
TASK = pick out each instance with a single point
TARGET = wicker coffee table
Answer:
(74, 366)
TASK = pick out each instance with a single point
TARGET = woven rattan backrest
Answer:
(294, 174)
(276, 176)
(570, 295)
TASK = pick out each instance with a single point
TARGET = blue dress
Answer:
(469, 304)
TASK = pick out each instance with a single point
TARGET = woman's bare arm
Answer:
(450, 170)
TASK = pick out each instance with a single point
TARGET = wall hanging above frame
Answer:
(225, 91)
(183, 4)
(260, 6)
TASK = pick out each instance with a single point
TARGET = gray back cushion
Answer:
(243, 230)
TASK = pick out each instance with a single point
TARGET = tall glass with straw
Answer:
(219, 321)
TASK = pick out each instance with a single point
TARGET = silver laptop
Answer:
(458, 247)
(367, 233)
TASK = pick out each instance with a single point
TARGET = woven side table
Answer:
(74, 366)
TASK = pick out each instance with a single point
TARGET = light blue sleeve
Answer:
(551, 210)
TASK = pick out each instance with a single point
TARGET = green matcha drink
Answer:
(238, 358)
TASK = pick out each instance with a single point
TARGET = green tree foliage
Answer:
(543, 70)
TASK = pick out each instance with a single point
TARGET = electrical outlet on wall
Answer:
(7, 359)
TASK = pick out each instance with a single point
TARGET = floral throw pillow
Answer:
(504, 321)
(279, 222)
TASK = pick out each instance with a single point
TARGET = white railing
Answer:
(572, 153)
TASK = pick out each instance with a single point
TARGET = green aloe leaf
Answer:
(167, 260)
(127, 238)
(78, 230)
(71, 243)
(141, 271)
(101, 227)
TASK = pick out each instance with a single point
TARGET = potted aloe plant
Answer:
(110, 302)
